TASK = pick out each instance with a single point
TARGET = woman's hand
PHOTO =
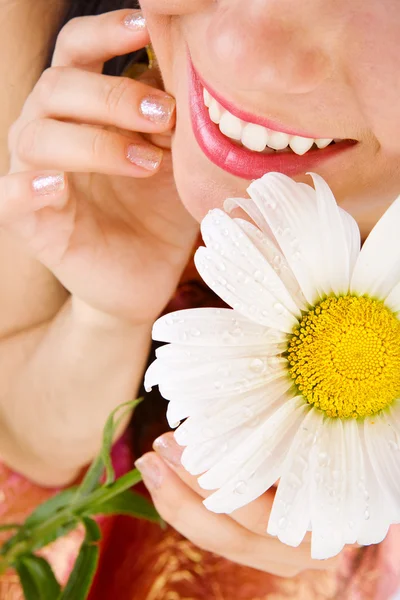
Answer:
(240, 537)
(113, 231)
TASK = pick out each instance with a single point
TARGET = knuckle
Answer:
(48, 84)
(28, 141)
(100, 140)
(69, 40)
(116, 93)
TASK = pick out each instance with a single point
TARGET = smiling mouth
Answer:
(249, 146)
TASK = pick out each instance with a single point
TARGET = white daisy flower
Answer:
(301, 380)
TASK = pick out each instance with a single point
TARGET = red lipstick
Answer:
(238, 160)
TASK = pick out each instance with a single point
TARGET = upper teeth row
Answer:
(256, 137)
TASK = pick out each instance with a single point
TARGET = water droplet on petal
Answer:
(218, 385)
(323, 459)
(367, 515)
(225, 232)
(195, 332)
(280, 309)
(257, 365)
(236, 332)
(240, 487)
(282, 523)
(258, 275)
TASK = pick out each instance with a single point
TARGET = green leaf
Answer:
(37, 578)
(103, 461)
(127, 503)
(49, 508)
(52, 535)
(10, 527)
(110, 429)
(107, 492)
(81, 578)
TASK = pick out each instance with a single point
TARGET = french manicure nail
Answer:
(147, 157)
(135, 21)
(150, 471)
(168, 449)
(158, 109)
(48, 184)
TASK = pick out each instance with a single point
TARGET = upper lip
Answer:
(249, 117)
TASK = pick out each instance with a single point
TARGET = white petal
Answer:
(393, 300)
(291, 212)
(383, 446)
(334, 238)
(353, 237)
(254, 465)
(274, 256)
(242, 292)
(228, 413)
(356, 503)
(212, 327)
(328, 491)
(378, 515)
(290, 515)
(222, 235)
(377, 270)
(248, 206)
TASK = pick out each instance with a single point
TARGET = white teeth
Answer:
(254, 137)
(216, 111)
(278, 140)
(207, 97)
(323, 143)
(231, 126)
(300, 145)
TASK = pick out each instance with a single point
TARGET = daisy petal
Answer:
(276, 259)
(291, 213)
(228, 413)
(254, 465)
(249, 208)
(376, 521)
(334, 239)
(355, 504)
(383, 447)
(328, 491)
(242, 292)
(290, 515)
(230, 243)
(212, 327)
(377, 270)
(353, 237)
(393, 300)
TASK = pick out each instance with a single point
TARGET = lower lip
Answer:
(240, 161)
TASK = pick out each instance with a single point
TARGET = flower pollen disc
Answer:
(344, 356)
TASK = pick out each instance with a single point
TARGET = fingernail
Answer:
(150, 471)
(48, 184)
(158, 109)
(135, 21)
(168, 449)
(147, 157)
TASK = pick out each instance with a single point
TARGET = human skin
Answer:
(330, 67)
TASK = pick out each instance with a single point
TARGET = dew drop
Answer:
(282, 523)
(195, 332)
(240, 487)
(257, 365)
(220, 266)
(258, 276)
(280, 309)
(218, 385)
(225, 232)
(236, 332)
(323, 459)
(367, 515)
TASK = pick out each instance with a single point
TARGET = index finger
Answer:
(88, 42)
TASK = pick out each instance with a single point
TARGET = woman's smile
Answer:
(249, 146)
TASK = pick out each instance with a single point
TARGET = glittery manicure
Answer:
(168, 449)
(147, 157)
(48, 184)
(158, 109)
(135, 21)
(150, 471)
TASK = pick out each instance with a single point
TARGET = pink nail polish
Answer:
(150, 471)
(147, 157)
(135, 21)
(48, 184)
(168, 449)
(158, 109)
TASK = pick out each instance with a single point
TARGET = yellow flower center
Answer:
(344, 356)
